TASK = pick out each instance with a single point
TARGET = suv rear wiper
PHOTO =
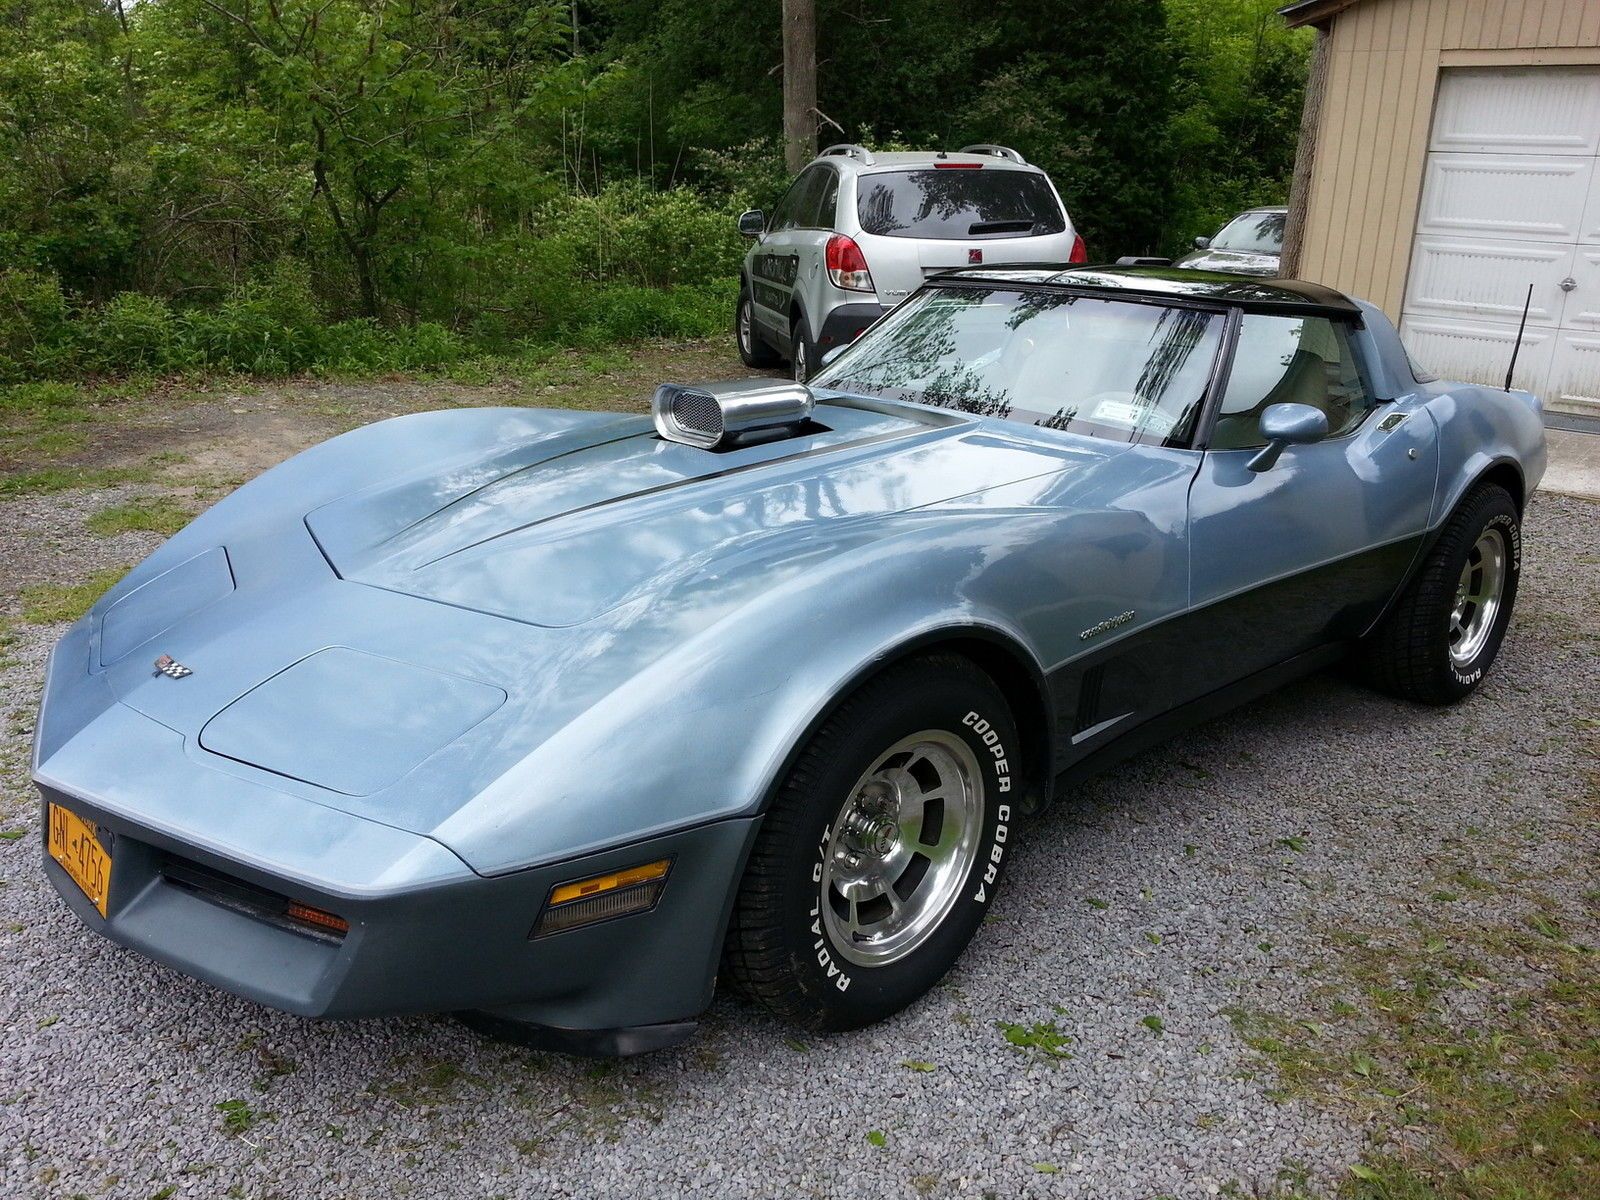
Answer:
(1002, 227)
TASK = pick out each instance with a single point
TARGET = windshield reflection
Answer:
(1108, 368)
(1253, 233)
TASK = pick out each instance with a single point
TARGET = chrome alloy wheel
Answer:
(902, 847)
(802, 368)
(745, 342)
(1478, 594)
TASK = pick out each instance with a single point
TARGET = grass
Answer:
(1042, 1039)
(161, 515)
(238, 1117)
(1470, 1048)
(46, 480)
(55, 603)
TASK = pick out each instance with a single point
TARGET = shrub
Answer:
(34, 322)
(628, 233)
(588, 270)
(619, 312)
(131, 333)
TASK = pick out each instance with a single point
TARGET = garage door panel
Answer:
(1505, 196)
(1575, 373)
(1511, 199)
(1479, 351)
(1534, 110)
(1582, 310)
(1462, 277)
(1589, 227)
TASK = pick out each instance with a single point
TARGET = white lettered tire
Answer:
(1446, 628)
(882, 850)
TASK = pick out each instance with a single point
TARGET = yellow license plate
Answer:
(74, 845)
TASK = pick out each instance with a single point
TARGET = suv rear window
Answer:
(954, 204)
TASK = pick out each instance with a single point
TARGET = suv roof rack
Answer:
(850, 150)
(995, 151)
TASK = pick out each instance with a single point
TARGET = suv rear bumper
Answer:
(846, 323)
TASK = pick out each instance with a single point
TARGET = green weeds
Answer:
(53, 603)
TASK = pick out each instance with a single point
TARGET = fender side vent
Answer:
(1089, 698)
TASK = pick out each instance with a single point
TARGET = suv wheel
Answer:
(753, 351)
(801, 356)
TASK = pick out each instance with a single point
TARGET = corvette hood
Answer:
(603, 516)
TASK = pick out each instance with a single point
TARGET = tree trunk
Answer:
(799, 83)
(1305, 157)
(362, 261)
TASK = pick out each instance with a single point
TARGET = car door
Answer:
(1307, 552)
(776, 261)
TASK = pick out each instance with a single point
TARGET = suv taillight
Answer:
(1080, 252)
(847, 266)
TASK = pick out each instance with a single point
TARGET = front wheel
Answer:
(1445, 630)
(882, 850)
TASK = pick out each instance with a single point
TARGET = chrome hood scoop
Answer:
(609, 515)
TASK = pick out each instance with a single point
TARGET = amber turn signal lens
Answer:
(609, 883)
(315, 916)
(601, 897)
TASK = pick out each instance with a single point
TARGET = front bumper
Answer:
(426, 933)
(445, 946)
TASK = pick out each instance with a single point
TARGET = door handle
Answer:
(1567, 284)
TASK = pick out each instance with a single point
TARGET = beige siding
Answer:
(1383, 73)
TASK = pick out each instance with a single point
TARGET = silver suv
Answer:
(858, 232)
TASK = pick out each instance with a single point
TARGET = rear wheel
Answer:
(1445, 630)
(882, 850)
(753, 351)
(801, 356)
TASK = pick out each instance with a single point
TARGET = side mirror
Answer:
(1202, 243)
(830, 356)
(1288, 425)
(752, 222)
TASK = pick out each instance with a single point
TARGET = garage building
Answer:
(1449, 160)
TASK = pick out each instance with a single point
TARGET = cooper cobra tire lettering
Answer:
(991, 742)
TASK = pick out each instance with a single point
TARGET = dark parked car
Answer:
(1250, 244)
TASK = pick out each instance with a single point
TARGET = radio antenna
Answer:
(1526, 304)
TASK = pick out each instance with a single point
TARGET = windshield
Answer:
(957, 203)
(1120, 369)
(1253, 233)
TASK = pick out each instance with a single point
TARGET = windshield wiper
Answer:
(1001, 227)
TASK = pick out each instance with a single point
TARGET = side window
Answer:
(783, 211)
(1289, 360)
(799, 202)
(828, 203)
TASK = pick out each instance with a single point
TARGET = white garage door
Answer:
(1511, 198)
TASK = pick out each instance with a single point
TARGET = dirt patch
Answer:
(221, 434)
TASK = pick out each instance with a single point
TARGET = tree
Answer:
(382, 101)
(799, 83)
(72, 199)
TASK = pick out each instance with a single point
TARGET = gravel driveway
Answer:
(1200, 880)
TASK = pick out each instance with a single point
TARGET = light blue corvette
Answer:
(549, 717)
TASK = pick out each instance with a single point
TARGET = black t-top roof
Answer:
(1174, 283)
